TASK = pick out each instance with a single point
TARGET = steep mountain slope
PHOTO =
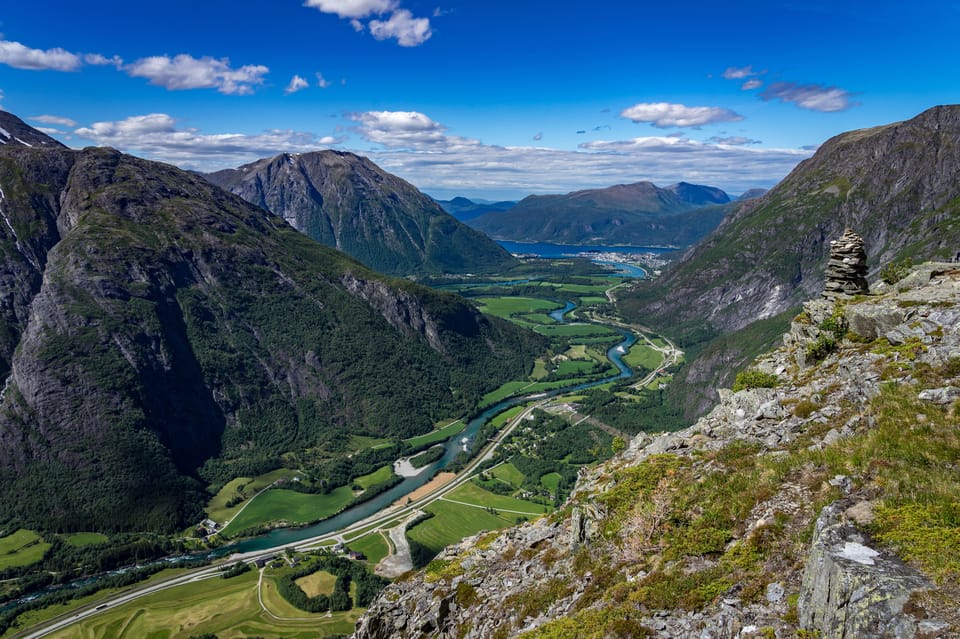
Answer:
(895, 185)
(347, 202)
(640, 214)
(818, 500)
(154, 326)
(16, 132)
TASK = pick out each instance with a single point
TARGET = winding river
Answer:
(285, 536)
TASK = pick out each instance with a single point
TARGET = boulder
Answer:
(850, 590)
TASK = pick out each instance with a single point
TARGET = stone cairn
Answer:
(847, 269)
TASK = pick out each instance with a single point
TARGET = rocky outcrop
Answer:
(846, 272)
(851, 590)
(601, 566)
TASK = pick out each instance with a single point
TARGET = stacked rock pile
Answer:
(847, 269)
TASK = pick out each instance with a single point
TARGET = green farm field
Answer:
(228, 608)
(439, 435)
(642, 355)
(470, 493)
(217, 508)
(22, 548)
(287, 505)
(82, 539)
(505, 307)
(378, 476)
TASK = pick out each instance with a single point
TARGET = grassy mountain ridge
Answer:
(161, 329)
(347, 202)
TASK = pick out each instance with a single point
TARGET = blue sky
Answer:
(484, 98)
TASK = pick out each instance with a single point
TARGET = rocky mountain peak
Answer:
(16, 132)
(347, 202)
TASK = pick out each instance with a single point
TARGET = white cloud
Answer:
(296, 84)
(19, 56)
(418, 149)
(322, 82)
(353, 8)
(733, 140)
(738, 73)
(401, 25)
(664, 115)
(749, 85)
(813, 97)
(408, 31)
(156, 136)
(400, 129)
(54, 119)
(186, 72)
(97, 59)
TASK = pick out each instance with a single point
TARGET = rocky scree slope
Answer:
(818, 499)
(895, 185)
(347, 202)
(640, 214)
(154, 327)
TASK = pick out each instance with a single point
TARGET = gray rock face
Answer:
(850, 590)
(846, 272)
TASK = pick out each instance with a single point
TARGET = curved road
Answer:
(385, 516)
(375, 521)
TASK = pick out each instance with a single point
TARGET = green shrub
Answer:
(896, 271)
(754, 378)
(819, 349)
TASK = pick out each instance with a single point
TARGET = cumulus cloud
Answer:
(322, 82)
(404, 129)
(19, 56)
(733, 140)
(517, 171)
(186, 72)
(401, 25)
(54, 119)
(99, 60)
(418, 148)
(408, 31)
(739, 73)
(296, 84)
(749, 85)
(664, 115)
(157, 136)
(353, 8)
(813, 97)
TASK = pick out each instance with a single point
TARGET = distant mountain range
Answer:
(896, 185)
(464, 209)
(639, 214)
(348, 202)
(158, 334)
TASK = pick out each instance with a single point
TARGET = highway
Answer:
(371, 523)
